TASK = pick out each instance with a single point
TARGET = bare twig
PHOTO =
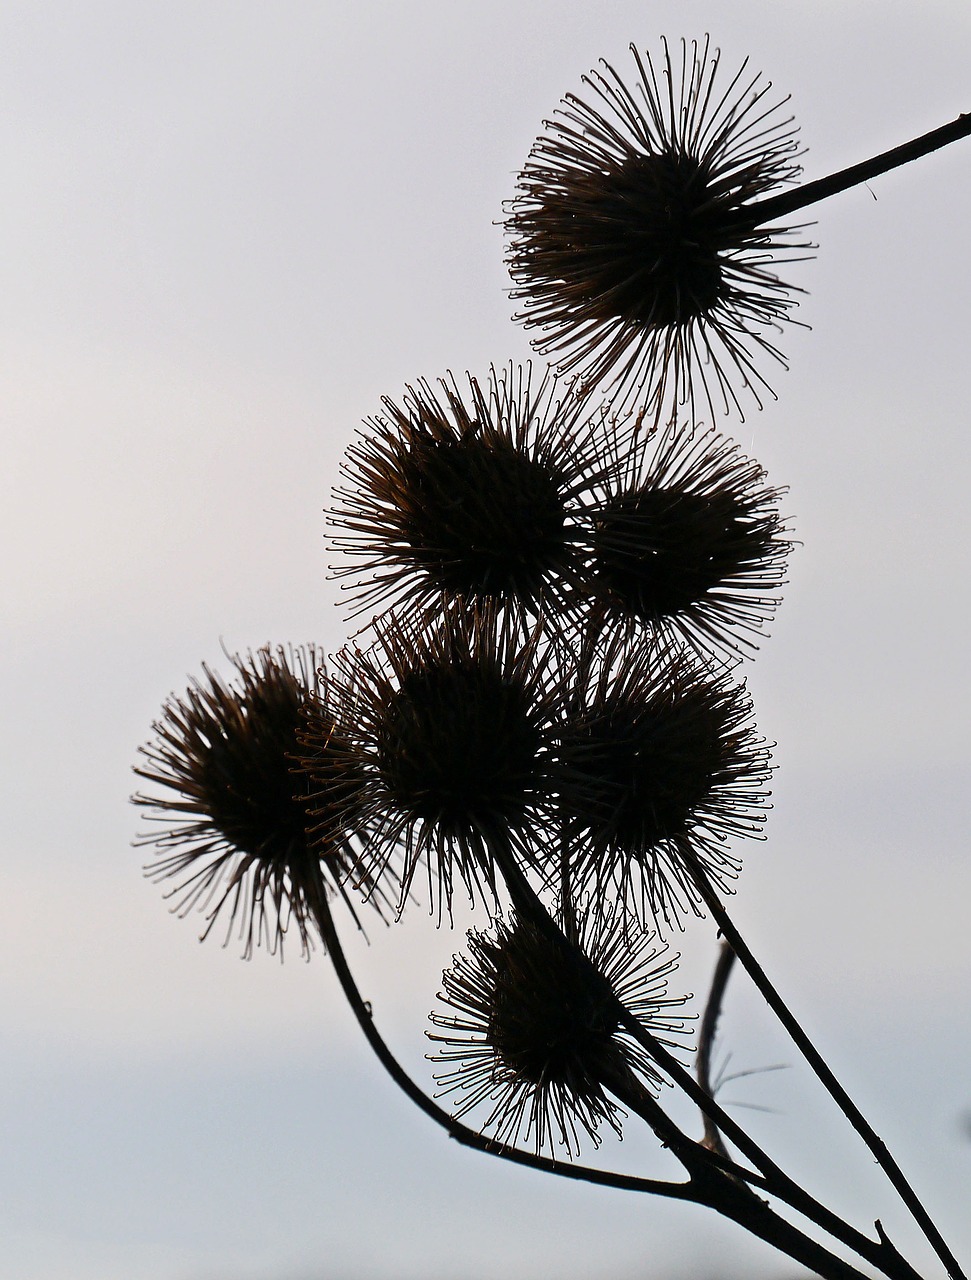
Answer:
(764, 211)
(824, 1074)
(706, 1040)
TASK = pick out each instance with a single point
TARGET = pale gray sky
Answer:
(228, 229)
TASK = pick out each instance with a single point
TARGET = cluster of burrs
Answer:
(560, 573)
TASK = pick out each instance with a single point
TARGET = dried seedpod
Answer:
(475, 492)
(232, 804)
(449, 728)
(636, 245)
(532, 1031)
(657, 765)
(689, 544)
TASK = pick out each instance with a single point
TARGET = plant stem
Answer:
(722, 1191)
(823, 1072)
(715, 1189)
(779, 206)
(455, 1129)
(881, 1254)
(706, 1040)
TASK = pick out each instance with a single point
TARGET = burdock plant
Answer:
(544, 708)
(627, 248)
(649, 234)
(532, 1032)
(447, 727)
(231, 811)
(688, 542)
(656, 765)
(478, 493)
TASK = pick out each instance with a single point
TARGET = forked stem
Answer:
(455, 1129)
(721, 1190)
(822, 1071)
(880, 1253)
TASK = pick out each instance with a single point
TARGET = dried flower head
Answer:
(533, 1030)
(233, 805)
(658, 763)
(446, 726)
(472, 494)
(690, 543)
(633, 242)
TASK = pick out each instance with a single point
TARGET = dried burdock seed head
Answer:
(533, 1032)
(233, 806)
(471, 493)
(633, 243)
(690, 543)
(448, 724)
(658, 764)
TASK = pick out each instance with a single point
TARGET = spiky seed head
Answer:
(449, 731)
(232, 804)
(471, 493)
(690, 543)
(633, 245)
(657, 765)
(532, 1028)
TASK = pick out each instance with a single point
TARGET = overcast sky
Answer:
(227, 230)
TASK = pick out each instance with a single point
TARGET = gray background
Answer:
(227, 230)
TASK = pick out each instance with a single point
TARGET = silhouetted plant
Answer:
(545, 709)
(534, 1035)
(233, 807)
(629, 244)
(481, 496)
(688, 542)
(447, 726)
(655, 755)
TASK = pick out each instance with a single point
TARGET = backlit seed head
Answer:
(633, 244)
(657, 765)
(690, 543)
(473, 493)
(532, 1027)
(449, 725)
(232, 803)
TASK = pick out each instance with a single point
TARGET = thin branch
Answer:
(762, 212)
(455, 1129)
(880, 1253)
(706, 1040)
(821, 1069)
(722, 1191)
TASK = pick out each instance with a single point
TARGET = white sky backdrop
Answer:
(227, 230)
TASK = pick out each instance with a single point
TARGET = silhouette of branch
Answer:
(455, 1129)
(761, 212)
(823, 1072)
(706, 1039)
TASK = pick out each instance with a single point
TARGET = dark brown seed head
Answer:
(690, 543)
(473, 494)
(657, 765)
(632, 241)
(233, 803)
(450, 731)
(533, 1031)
